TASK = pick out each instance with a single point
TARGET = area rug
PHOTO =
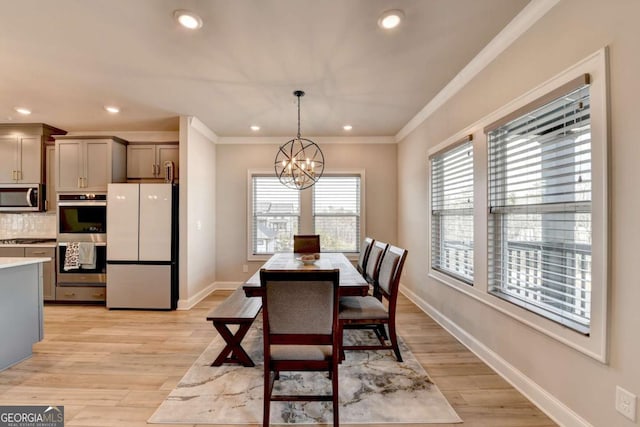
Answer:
(374, 389)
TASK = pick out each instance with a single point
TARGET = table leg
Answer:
(238, 355)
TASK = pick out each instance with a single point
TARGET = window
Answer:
(336, 213)
(275, 217)
(539, 223)
(452, 211)
(332, 208)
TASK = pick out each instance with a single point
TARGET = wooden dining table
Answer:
(351, 281)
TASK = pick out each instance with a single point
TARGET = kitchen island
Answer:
(21, 315)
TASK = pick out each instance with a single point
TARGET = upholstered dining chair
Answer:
(369, 312)
(372, 268)
(306, 243)
(365, 249)
(300, 313)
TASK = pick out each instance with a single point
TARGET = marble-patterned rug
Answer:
(374, 389)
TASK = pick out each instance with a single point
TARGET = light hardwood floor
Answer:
(114, 368)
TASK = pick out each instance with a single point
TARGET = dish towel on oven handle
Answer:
(87, 255)
(71, 255)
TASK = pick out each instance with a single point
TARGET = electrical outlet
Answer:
(245, 268)
(626, 403)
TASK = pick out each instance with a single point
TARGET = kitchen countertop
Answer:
(29, 242)
(29, 245)
(9, 262)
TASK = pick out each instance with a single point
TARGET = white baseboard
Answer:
(227, 286)
(189, 303)
(547, 403)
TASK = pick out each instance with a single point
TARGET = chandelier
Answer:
(299, 162)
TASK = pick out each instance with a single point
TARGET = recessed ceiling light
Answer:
(255, 128)
(347, 127)
(23, 110)
(188, 19)
(390, 19)
(112, 109)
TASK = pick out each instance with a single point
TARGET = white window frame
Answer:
(359, 216)
(251, 255)
(306, 222)
(593, 345)
(530, 270)
(438, 215)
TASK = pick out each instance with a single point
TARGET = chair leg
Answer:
(394, 340)
(381, 333)
(336, 397)
(340, 342)
(268, 383)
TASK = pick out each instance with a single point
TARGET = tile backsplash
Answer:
(21, 225)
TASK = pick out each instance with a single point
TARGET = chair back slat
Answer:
(306, 243)
(390, 271)
(365, 250)
(373, 263)
(299, 307)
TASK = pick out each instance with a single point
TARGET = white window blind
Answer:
(452, 211)
(336, 213)
(276, 215)
(540, 206)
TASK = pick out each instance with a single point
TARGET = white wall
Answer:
(234, 160)
(584, 388)
(197, 211)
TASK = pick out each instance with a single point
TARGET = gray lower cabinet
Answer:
(48, 268)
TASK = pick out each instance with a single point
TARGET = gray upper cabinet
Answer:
(22, 152)
(89, 163)
(146, 161)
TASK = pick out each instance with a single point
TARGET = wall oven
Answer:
(95, 275)
(82, 218)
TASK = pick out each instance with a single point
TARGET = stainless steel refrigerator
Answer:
(142, 246)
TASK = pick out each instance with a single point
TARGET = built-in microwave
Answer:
(22, 197)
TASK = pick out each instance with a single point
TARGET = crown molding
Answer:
(277, 140)
(531, 13)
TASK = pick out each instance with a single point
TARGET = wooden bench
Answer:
(240, 310)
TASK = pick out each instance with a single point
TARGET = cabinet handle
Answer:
(69, 294)
(98, 295)
(79, 182)
(14, 175)
(153, 169)
(19, 175)
(39, 253)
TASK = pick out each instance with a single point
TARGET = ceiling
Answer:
(66, 59)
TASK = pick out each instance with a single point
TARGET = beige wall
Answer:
(233, 162)
(197, 211)
(571, 31)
